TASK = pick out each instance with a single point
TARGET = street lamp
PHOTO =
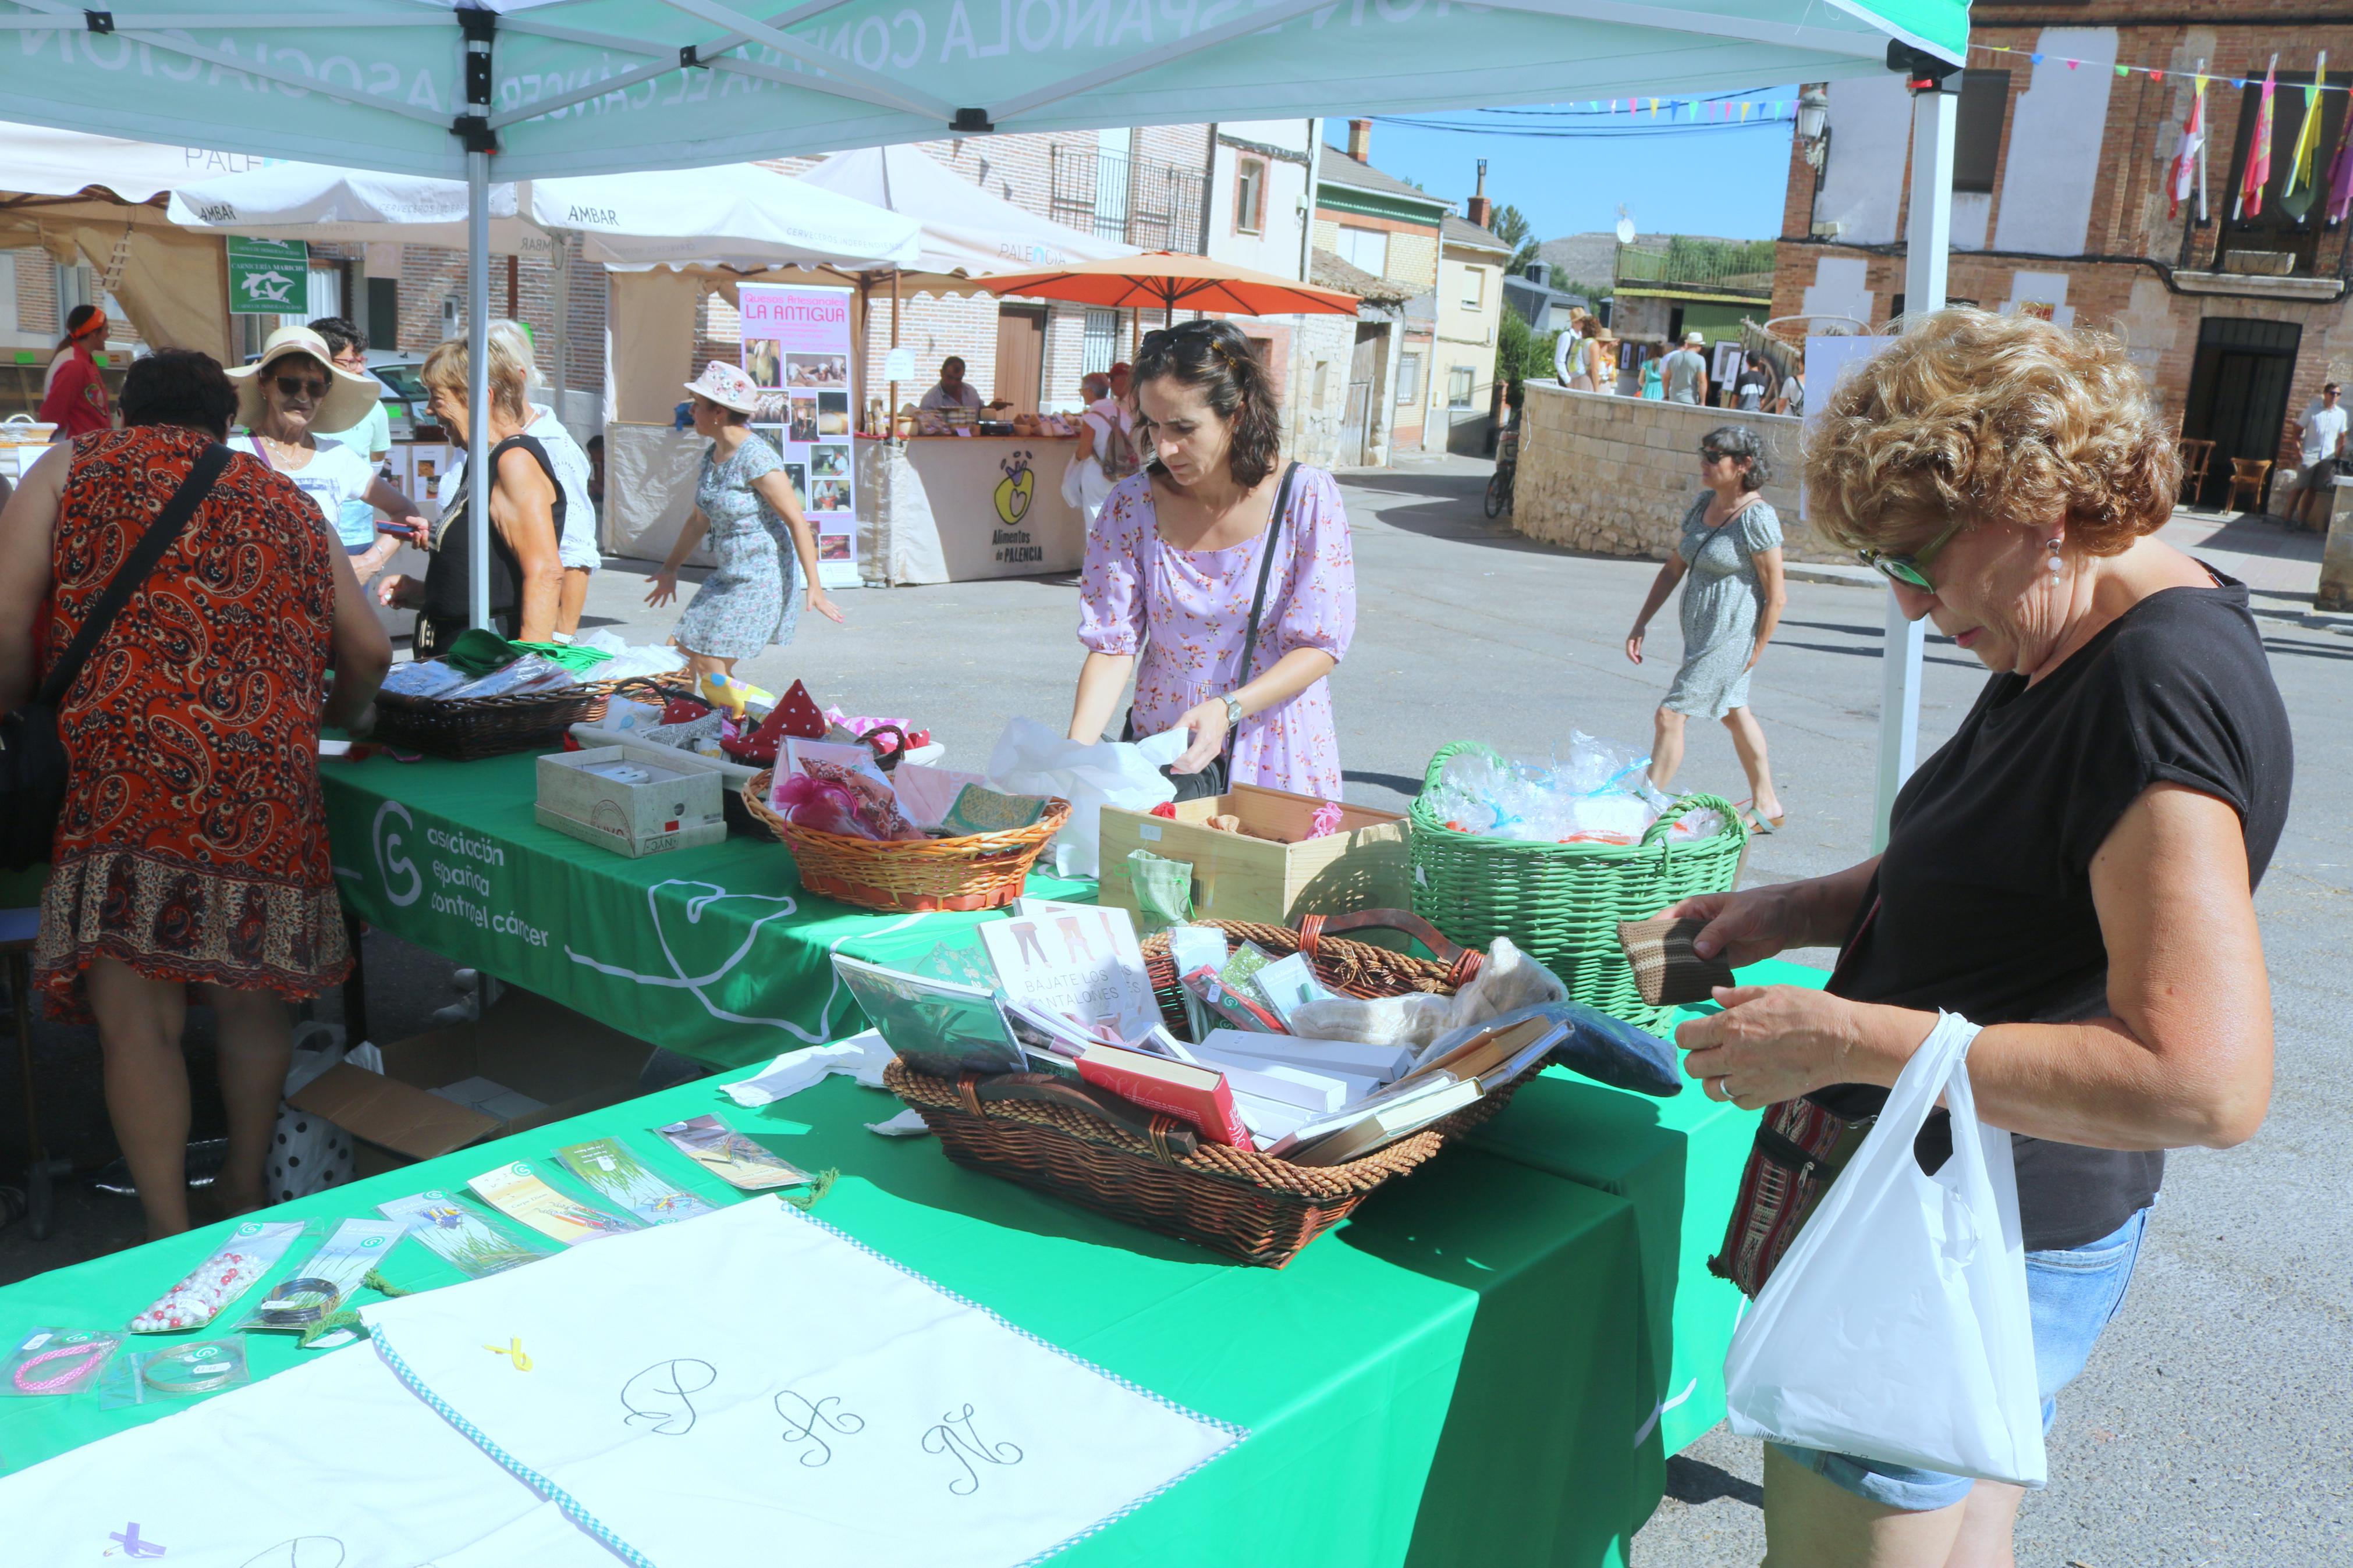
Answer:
(1814, 124)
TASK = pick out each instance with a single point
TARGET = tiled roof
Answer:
(1463, 231)
(1325, 269)
(1340, 169)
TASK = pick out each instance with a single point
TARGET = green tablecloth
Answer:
(1679, 1162)
(1443, 1379)
(715, 952)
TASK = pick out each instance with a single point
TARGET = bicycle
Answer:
(1507, 464)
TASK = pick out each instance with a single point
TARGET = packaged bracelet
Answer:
(56, 1361)
(317, 1286)
(173, 1371)
(235, 1267)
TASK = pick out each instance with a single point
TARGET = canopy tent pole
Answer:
(890, 427)
(1926, 238)
(477, 387)
(560, 286)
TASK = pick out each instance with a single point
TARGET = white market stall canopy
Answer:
(37, 159)
(740, 215)
(582, 87)
(964, 229)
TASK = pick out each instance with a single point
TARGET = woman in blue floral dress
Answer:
(746, 503)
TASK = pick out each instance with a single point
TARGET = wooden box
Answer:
(1275, 879)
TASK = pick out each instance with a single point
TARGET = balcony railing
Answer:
(1710, 266)
(1150, 205)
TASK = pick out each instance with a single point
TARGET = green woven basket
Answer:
(1561, 903)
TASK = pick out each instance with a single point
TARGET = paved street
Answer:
(2210, 1426)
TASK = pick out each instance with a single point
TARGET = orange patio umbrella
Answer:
(1171, 280)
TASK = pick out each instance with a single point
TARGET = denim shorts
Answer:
(2071, 1296)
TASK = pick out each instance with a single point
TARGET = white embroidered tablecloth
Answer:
(753, 1386)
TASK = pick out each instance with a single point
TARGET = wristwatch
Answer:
(1233, 711)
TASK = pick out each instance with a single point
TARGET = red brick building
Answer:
(2061, 208)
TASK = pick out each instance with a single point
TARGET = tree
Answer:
(1521, 354)
(1511, 226)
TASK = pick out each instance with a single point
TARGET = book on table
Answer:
(1197, 1095)
(1081, 961)
(935, 1026)
(1358, 1131)
(1345, 1058)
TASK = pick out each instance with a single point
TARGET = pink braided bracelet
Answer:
(91, 1353)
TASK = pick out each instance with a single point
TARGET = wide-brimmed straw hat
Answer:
(728, 385)
(349, 397)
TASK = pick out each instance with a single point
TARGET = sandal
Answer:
(1761, 826)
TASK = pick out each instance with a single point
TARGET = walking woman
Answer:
(190, 862)
(2074, 871)
(744, 502)
(286, 399)
(1174, 564)
(526, 576)
(1731, 549)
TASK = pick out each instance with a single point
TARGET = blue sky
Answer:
(1702, 178)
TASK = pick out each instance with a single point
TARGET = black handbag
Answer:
(1214, 779)
(32, 756)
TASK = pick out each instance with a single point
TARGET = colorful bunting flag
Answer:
(2258, 174)
(2190, 157)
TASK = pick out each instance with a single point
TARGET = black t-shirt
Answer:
(1751, 389)
(1982, 904)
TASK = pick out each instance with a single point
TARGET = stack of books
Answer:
(1071, 998)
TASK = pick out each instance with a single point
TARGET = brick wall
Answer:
(1615, 475)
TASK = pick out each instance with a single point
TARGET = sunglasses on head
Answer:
(1911, 570)
(302, 387)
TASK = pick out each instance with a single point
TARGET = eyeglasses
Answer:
(1910, 570)
(301, 386)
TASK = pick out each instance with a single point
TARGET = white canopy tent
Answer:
(575, 87)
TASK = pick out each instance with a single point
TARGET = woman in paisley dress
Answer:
(1172, 565)
(192, 853)
(746, 503)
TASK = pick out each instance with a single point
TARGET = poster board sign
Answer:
(268, 276)
(797, 349)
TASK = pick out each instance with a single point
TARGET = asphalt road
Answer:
(2212, 1427)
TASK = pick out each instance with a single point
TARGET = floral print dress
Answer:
(749, 602)
(1186, 613)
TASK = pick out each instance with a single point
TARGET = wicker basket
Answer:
(482, 727)
(1560, 903)
(913, 876)
(1251, 1206)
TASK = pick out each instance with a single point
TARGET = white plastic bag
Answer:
(1030, 759)
(1896, 1328)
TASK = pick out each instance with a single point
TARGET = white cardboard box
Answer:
(617, 797)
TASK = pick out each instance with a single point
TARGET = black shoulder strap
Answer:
(1265, 571)
(134, 571)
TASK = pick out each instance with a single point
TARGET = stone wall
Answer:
(1615, 475)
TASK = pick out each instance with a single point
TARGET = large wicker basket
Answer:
(1560, 903)
(481, 727)
(915, 876)
(1252, 1206)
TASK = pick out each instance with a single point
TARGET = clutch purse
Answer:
(1666, 971)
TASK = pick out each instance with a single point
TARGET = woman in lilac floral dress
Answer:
(1172, 562)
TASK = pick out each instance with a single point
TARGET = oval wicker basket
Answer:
(913, 876)
(1252, 1206)
(1560, 903)
(480, 727)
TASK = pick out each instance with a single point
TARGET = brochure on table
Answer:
(797, 349)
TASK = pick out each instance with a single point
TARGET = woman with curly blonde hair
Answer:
(2073, 870)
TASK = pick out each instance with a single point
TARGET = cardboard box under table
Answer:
(524, 1064)
(1273, 872)
(631, 802)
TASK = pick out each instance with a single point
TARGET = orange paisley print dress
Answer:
(193, 842)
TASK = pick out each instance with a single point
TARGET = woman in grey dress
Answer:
(744, 502)
(1731, 547)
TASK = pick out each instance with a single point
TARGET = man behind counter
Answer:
(954, 392)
